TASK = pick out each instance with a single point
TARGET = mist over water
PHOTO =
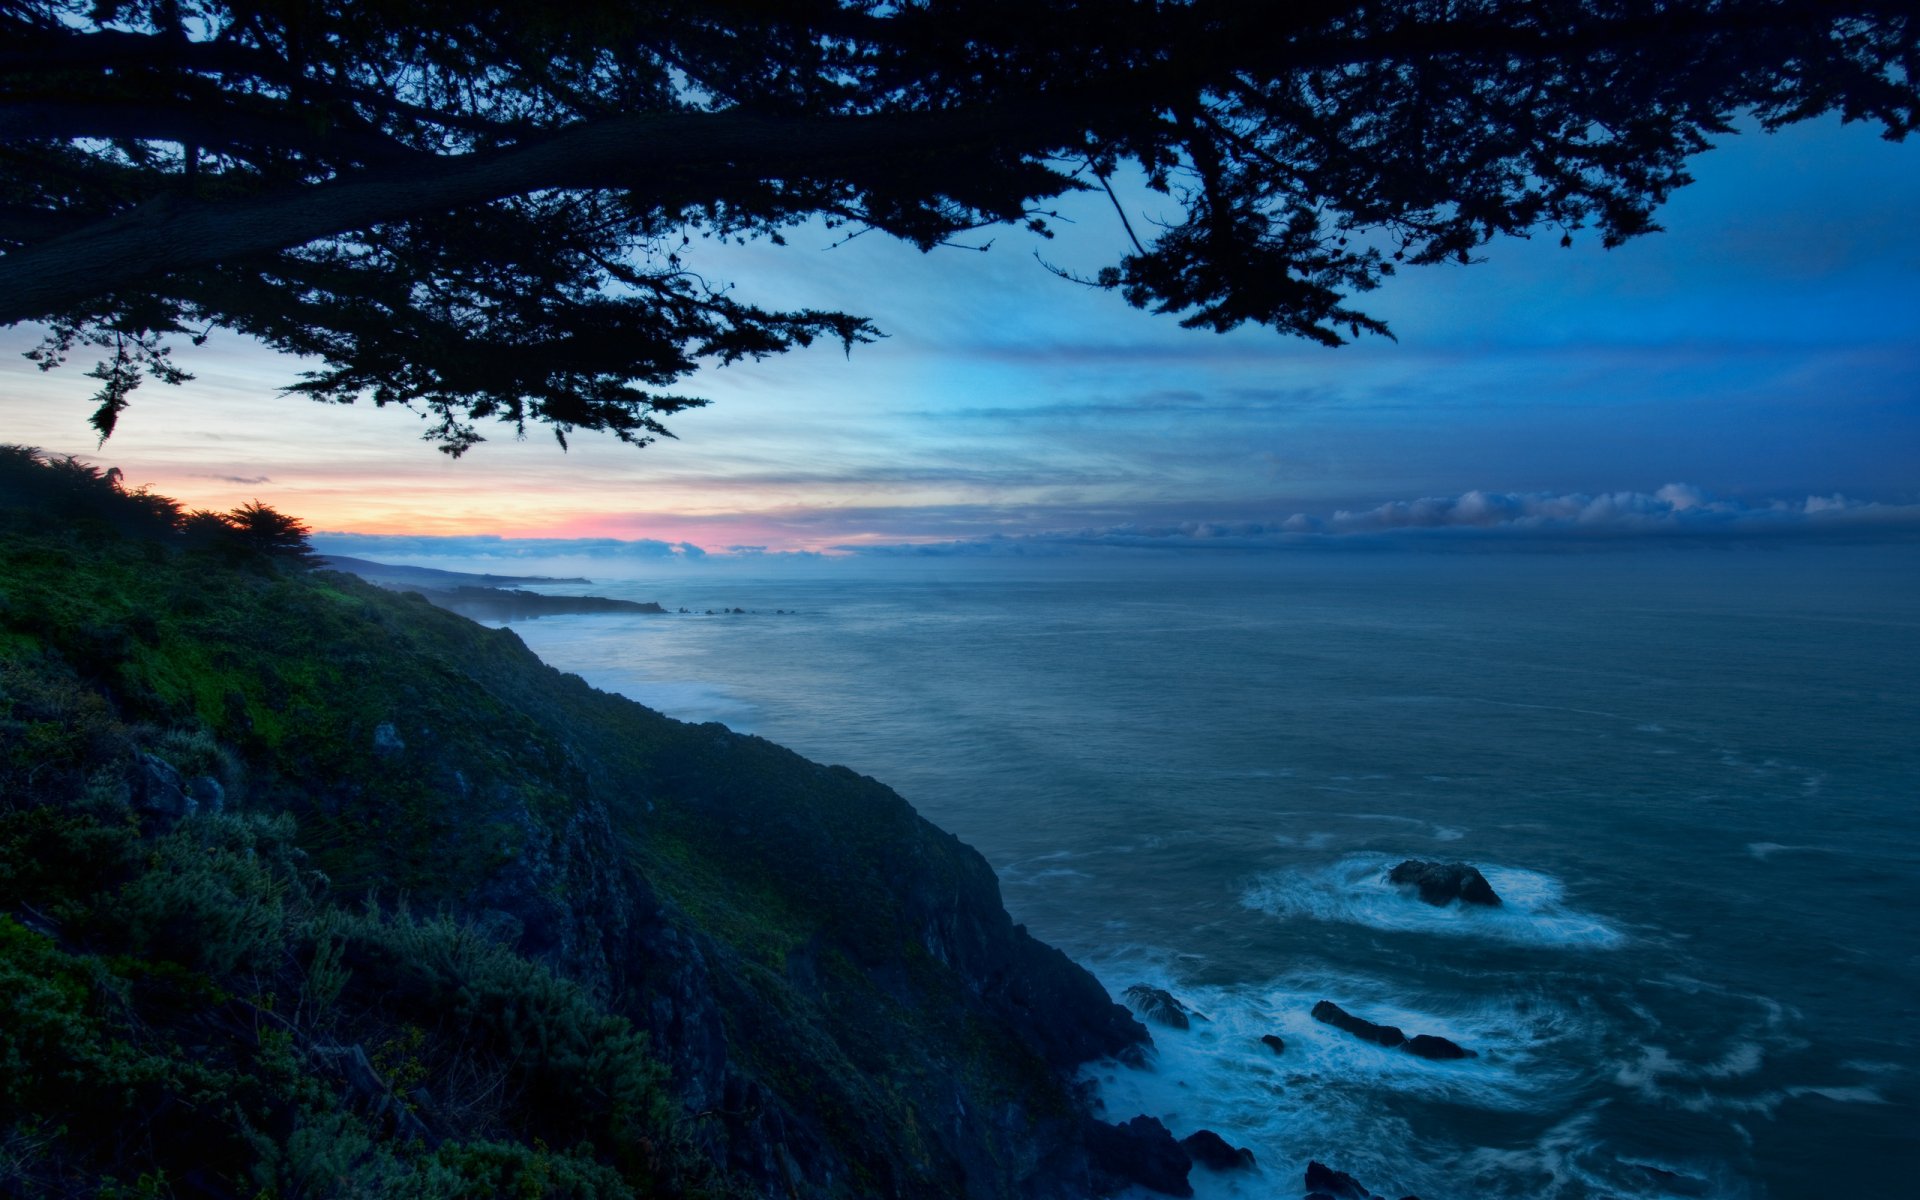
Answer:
(1690, 774)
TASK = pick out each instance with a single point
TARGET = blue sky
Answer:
(1763, 350)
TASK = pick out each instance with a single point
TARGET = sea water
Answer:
(1691, 775)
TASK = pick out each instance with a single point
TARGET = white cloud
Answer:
(1677, 511)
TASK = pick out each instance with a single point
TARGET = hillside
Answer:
(311, 888)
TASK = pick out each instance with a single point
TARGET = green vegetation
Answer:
(311, 889)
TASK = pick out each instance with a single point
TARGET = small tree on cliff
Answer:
(269, 533)
(482, 210)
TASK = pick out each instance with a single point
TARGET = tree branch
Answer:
(653, 154)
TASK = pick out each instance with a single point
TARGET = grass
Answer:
(514, 918)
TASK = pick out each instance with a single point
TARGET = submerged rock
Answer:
(1328, 1012)
(1428, 1045)
(1157, 1004)
(1273, 1042)
(1214, 1152)
(1140, 1151)
(1441, 884)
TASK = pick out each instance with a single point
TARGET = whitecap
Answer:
(1323, 1091)
(1855, 1094)
(1766, 850)
(1311, 841)
(1355, 891)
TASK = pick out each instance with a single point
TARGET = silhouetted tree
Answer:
(264, 531)
(39, 486)
(482, 209)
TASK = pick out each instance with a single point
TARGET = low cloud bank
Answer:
(380, 546)
(1676, 512)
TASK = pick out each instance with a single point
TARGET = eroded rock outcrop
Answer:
(1424, 1045)
(1158, 1005)
(1428, 1045)
(1440, 884)
(1325, 1183)
(1208, 1149)
(1140, 1151)
(1328, 1012)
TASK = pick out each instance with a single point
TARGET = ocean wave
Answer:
(1355, 891)
(1334, 1097)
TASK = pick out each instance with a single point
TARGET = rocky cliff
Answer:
(348, 887)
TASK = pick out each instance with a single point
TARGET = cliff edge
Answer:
(308, 887)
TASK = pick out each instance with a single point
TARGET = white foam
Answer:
(1841, 1094)
(1322, 1095)
(1310, 841)
(1766, 850)
(1570, 1162)
(1355, 891)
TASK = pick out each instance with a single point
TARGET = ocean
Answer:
(1690, 773)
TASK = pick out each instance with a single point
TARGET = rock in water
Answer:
(1140, 1151)
(1443, 883)
(1332, 1014)
(1157, 1004)
(1211, 1150)
(1428, 1045)
(1273, 1042)
(1323, 1180)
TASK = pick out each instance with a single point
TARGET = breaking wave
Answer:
(1355, 891)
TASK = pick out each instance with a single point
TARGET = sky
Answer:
(1755, 368)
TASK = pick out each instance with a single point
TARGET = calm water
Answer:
(1691, 774)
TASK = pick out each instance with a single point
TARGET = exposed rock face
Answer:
(1157, 1005)
(1428, 1045)
(1383, 1035)
(1138, 1152)
(1212, 1151)
(1273, 1042)
(899, 913)
(1441, 884)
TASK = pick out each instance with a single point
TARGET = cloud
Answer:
(1676, 512)
(484, 546)
(242, 479)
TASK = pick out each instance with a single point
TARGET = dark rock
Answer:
(386, 739)
(1443, 883)
(207, 794)
(1332, 1014)
(1335, 1185)
(1273, 1042)
(158, 790)
(1140, 1151)
(1428, 1045)
(1157, 1004)
(1212, 1151)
